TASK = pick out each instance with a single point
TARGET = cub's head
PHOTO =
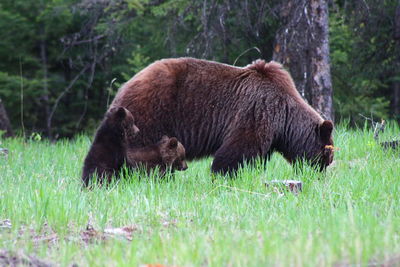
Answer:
(172, 153)
(321, 154)
(121, 121)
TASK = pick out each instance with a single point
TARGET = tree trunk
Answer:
(302, 45)
(45, 96)
(5, 122)
(397, 22)
(396, 99)
(396, 83)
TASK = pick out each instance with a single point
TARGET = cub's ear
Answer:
(164, 138)
(325, 130)
(172, 143)
(120, 113)
(116, 113)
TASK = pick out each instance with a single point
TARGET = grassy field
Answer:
(349, 215)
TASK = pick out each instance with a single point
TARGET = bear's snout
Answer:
(135, 129)
(183, 166)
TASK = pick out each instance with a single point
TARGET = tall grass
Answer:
(348, 215)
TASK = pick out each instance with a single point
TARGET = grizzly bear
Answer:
(233, 113)
(108, 151)
(167, 154)
(111, 149)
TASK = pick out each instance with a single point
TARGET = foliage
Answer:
(363, 56)
(62, 61)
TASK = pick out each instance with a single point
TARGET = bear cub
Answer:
(107, 152)
(167, 154)
(111, 149)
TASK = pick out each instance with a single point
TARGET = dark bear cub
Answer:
(107, 153)
(167, 154)
(111, 149)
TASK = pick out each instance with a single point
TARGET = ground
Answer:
(347, 216)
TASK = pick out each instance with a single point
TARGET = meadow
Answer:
(347, 216)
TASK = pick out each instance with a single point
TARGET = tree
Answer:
(363, 54)
(66, 58)
(5, 122)
(302, 45)
(396, 82)
(218, 29)
(64, 53)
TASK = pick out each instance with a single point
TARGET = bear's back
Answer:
(201, 102)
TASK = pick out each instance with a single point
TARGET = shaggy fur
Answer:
(107, 153)
(167, 154)
(233, 113)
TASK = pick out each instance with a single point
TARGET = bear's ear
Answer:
(325, 130)
(164, 138)
(120, 113)
(172, 143)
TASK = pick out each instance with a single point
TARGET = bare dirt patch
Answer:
(90, 234)
(8, 258)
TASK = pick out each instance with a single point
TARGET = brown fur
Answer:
(107, 152)
(276, 74)
(233, 113)
(168, 153)
(110, 149)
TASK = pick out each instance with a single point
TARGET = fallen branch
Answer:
(380, 128)
(395, 144)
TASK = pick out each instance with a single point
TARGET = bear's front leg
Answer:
(104, 174)
(234, 152)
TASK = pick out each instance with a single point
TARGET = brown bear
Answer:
(111, 149)
(107, 152)
(167, 154)
(233, 113)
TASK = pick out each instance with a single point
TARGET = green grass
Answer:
(349, 215)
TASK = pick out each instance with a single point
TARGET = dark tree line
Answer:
(61, 62)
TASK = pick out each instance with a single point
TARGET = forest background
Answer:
(62, 61)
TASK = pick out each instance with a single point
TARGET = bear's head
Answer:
(120, 121)
(172, 153)
(313, 143)
(322, 150)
